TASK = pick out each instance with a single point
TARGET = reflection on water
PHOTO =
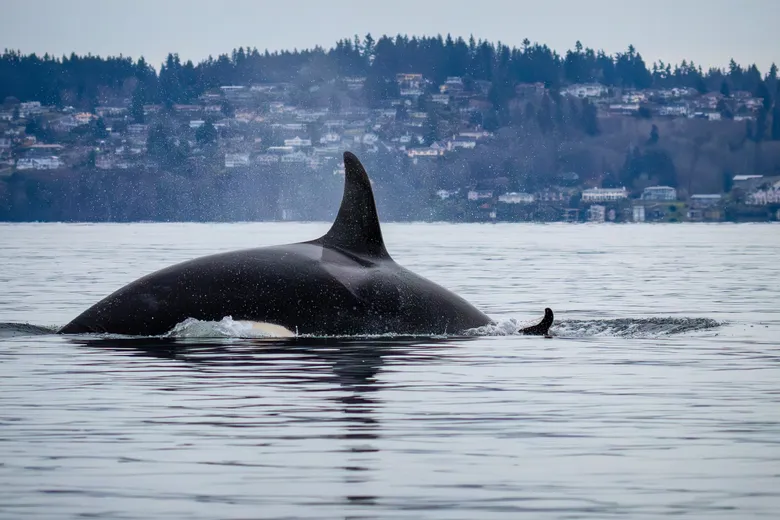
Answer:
(351, 365)
(658, 397)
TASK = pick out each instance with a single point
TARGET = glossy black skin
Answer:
(343, 283)
(305, 287)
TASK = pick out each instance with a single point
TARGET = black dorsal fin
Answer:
(356, 228)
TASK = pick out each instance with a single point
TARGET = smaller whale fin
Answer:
(543, 327)
(356, 228)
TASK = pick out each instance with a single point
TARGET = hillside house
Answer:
(297, 142)
(586, 90)
(604, 194)
(30, 109)
(446, 194)
(110, 111)
(530, 90)
(266, 158)
(236, 160)
(409, 81)
(677, 110)
(770, 195)
(516, 198)
(624, 108)
(39, 162)
(452, 84)
(634, 97)
(480, 194)
(659, 193)
(424, 152)
(705, 200)
(295, 157)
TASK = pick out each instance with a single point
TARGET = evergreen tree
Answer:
(99, 130)
(137, 104)
(762, 92)
(761, 125)
(724, 89)
(771, 79)
(653, 135)
(227, 109)
(91, 159)
(728, 181)
(160, 146)
(590, 122)
(776, 122)
(206, 134)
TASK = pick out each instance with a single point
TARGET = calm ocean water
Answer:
(659, 395)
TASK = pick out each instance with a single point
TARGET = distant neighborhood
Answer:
(266, 126)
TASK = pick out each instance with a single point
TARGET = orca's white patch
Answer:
(272, 329)
(228, 328)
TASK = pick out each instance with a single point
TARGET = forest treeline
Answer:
(80, 80)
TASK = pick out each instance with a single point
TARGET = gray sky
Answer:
(708, 31)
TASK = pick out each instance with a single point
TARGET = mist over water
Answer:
(657, 396)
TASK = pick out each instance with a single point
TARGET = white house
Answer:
(638, 213)
(84, 118)
(462, 142)
(586, 90)
(424, 152)
(634, 97)
(480, 194)
(659, 193)
(770, 195)
(30, 108)
(597, 213)
(624, 108)
(330, 137)
(280, 149)
(297, 142)
(446, 194)
(235, 160)
(705, 199)
(410, 80)
(137, 129)
(674, 110)
(104, 161)
(104, 111)
(475, 135)
(604, 194)
(295, 157)
(51, 162)
(516, 198)
(266, 158)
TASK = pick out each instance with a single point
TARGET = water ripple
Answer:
(657, 396)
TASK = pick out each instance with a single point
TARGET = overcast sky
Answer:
(710, 32)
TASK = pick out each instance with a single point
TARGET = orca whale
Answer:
(342, 284)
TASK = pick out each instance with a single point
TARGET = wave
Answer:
(227, 327)
(634, 327)
(12, 330)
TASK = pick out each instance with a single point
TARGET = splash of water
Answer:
(621, 327)
(227, 327)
